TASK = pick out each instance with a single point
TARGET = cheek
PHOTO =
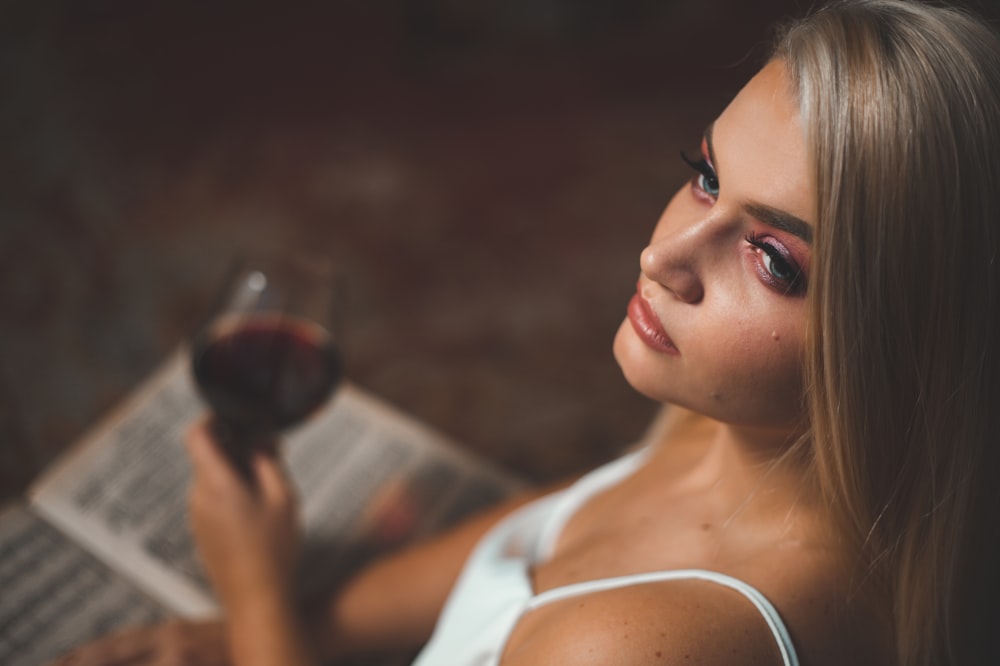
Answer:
(779, 363)
(752, 371)
(767, 380)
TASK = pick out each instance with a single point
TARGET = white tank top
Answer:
(494, 589)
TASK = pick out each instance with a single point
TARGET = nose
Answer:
(678, 277)
(676, 261)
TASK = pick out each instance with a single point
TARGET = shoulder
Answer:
(680, 621)
(699, 621)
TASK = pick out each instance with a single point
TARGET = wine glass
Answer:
(270, 355)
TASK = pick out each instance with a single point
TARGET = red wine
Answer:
(262, 375)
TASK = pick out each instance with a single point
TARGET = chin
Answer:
(640, 370)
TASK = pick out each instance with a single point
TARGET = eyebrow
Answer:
(772, 217)
(780, 220)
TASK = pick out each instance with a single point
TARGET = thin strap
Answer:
(572, 498)
(766, 609)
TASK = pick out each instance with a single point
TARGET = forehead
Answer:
(760, 146)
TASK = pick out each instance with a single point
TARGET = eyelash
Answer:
(790, 286)
(709, 182)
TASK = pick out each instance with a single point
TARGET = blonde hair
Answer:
(901, 106)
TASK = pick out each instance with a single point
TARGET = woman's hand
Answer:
(247, 533)
(173, 642)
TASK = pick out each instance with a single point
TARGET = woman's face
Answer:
(718, 320)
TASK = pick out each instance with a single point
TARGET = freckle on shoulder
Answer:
(667, 623)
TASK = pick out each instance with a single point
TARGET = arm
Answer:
(394, 603)
(248, 542)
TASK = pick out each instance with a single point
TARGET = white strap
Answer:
(766, 609)
(579, 493)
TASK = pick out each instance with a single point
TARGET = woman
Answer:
(819, 304)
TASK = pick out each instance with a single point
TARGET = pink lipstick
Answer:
(648, 327)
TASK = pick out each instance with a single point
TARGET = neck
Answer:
(759, 446)
(736, 462)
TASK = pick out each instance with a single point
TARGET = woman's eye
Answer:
(706, 181)
(709, 184)
(778, 270)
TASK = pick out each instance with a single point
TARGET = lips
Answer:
(648, 327)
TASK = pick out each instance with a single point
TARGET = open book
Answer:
(103, 541)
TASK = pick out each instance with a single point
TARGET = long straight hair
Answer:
(900, 102)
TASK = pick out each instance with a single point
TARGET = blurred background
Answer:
(486, 171)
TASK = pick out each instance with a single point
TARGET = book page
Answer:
(122, 492)
(56, 594)
(370, 479)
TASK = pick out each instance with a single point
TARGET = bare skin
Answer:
(722, 290)
(688, 508)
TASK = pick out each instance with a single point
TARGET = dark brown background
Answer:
(488, 176)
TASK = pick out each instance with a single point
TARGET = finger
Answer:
(196, 439)
(271, 478)
(207, 457)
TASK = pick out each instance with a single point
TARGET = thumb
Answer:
(273, 482)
